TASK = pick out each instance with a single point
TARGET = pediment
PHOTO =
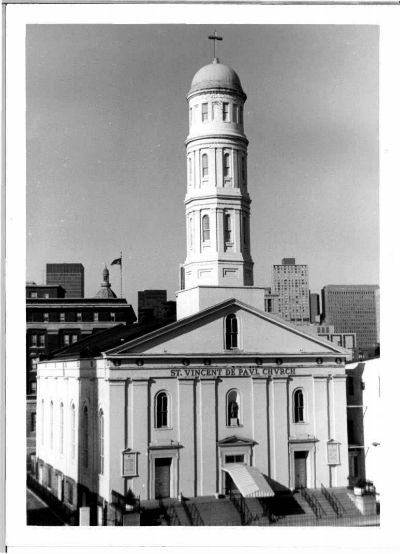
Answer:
(260, 334)
(234, 440)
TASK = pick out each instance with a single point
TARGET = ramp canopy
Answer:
(249, 480)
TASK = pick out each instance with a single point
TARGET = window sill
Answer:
(234, 426)
(163, 428)
(301, 423)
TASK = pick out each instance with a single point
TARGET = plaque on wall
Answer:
(129, 463)
(333, 453)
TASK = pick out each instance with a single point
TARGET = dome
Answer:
(216, 75)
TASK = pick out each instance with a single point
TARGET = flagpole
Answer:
(120, 266)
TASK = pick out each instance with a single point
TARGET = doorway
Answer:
(230, 485)
(300, 469)
(162, 477)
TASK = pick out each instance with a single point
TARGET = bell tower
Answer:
(217, 202)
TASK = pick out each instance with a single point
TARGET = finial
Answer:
(214, 38)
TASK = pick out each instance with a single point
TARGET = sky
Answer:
(106, 162)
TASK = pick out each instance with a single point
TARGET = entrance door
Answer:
(230, 485)
(300, 469)
(162, 477)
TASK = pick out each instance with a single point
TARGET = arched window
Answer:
(244, 170)
(204, 166)
(227, 165)
(73, 429)
(298, 406)
(231, 331)
(233, 408)
(61, 428)
(205, 228)
(161, 410)
(245, 232)
(227, 228)
(85, 432)
(101, 442)
(51, 424)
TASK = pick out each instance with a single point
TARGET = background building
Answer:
(69, 276)
(314, 307)
(353, 309)
(153, 305)
(54, 321)
(290, 283)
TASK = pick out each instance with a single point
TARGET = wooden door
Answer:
(162, 477)
(300, 469)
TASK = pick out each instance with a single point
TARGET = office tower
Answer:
(70, 276)
(290, 283)
(353, 308)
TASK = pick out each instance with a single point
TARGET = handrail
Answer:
(246, 517)
(192, 513)
(333, 501)
(313, 502)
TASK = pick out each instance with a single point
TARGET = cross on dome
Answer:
(214, 38)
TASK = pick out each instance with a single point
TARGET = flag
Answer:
(117, 261)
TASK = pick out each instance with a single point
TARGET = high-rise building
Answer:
(353, 309)
(70, 276)
(314, 307)
(290, 283)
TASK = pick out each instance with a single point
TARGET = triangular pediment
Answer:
(234, 440)
(260, 334)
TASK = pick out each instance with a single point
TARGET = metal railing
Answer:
(66, 514)
(313, 502)
(192, 513)
(333, 501)
(246, 517)
(125, 504)
(169, 512)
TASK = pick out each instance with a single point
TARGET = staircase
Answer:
(283, 509)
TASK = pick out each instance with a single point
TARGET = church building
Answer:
(225, 396)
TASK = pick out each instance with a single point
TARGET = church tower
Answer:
(217, 201)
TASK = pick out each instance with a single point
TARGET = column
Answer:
(206, 429)
(141, 433)
(260, 424)
(114, 437)
(235, 172)
(187, 431)
(279, 424)
(212, 169)
(219, 169)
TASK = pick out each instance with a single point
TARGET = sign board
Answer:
(233, 371)
(333, 453)
(129, 463)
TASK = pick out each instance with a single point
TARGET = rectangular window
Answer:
(62, 316)
(112, 316)
(74, 338)
(241, 114)
(79, 316)
(33, 422)
(45, 316)
(234, 459)
(235, 113)
(33, 295)
(96, 316)
(41, 340)
(33, 340)
(204, 112)
(227, 228)
(66, 340)
(225, 111)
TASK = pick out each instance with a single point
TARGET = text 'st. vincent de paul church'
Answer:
(226, 396)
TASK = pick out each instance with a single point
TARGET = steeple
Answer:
(105, 290)
(217, 201)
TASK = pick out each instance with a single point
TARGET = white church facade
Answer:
(175, 411)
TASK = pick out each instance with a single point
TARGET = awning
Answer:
(249, 480)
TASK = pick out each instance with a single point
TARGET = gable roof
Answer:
(200, 319)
